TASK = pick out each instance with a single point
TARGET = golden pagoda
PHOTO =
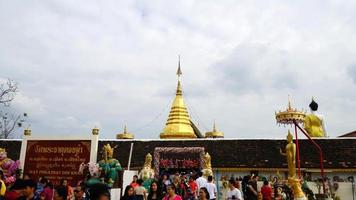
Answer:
(215, 133)
(178, 125)
(125, 135)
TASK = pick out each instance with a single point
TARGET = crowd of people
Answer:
(182, 187)
(27, 189)
(167, 187)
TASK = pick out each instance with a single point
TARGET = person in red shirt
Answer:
(193, 186)
(134, 183)
(266, 191)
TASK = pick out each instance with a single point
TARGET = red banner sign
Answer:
(56, 159)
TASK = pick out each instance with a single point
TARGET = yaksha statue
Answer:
(109, 165)
(314, 123)
(147, 172)
(8, 166)
(207, 169)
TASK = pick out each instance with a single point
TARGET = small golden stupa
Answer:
(178, 124)
(290, 115)
(27, 132)
(125, 135)
(215, 133)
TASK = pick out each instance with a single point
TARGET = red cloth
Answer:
(266, 192)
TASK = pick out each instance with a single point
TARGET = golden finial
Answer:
(27, 132)
(125, 129)
(179, 71)
(95, 131)
(289, 103)
(214, 127)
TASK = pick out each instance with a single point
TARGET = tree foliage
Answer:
(9, 120)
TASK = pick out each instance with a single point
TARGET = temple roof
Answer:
(351, 134)
(246, 153)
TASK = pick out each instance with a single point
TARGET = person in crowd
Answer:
(79, 192)
(211, 187)
(251, 190)
(238, 186)
(266, 191)
(60, 193)
(28, 191)
(99, 191)
(134, 181)
(64, 182)
(204, 194)
(155, 192)
(15, 191)
(140, 191)
(193, 187)
(177, 184)
(165, 180)
(42, 181)
(244, 184)
(129, 193)
(171, 194)
(183, 186)
(47, 192)
(233, 192)
(201, 181)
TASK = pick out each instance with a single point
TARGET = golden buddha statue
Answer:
(293, 181)
(314, 123)
(207, 169)
(147, 172)
(290, 154)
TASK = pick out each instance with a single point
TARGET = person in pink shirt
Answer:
(171, 194)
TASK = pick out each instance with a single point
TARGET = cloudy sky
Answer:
(81, 64)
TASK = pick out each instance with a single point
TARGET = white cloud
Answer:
(84, 64)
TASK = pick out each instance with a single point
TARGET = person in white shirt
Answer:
(201, 181)
(233, 193)
(211, 187)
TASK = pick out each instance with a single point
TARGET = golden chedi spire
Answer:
(215, 133)
(125, 135)
(178, 124)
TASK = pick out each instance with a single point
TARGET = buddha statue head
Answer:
(313, 105)
(289, 137)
